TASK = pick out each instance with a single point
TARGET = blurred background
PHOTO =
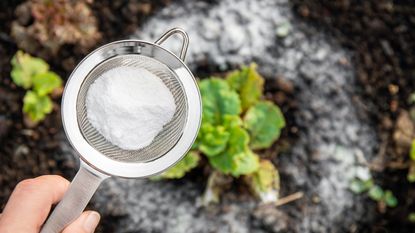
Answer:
(341, 71)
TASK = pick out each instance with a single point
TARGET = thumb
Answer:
(86, 223)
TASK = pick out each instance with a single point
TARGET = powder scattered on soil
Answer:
(333, 128)
(129, 106)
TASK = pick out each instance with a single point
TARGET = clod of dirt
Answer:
(5, 125)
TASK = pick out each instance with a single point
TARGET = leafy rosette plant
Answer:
(33, 74)
(236, 122)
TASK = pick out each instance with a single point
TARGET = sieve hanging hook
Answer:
(185, 43)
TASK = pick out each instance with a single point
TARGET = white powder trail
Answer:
(129, 106)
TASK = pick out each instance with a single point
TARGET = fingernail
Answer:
(91, 221)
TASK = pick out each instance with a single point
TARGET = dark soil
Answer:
(24, 152)
(381, 35)
(29, 152)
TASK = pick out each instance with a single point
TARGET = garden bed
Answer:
(379, 33)
(310, 73)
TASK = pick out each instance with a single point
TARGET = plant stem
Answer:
(289, 198)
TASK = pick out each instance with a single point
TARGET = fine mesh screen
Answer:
(171, 132)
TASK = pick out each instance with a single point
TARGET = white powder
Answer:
(227, 32)
(129, 106)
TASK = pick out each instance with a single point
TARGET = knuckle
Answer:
(26, 185)
(56, 178)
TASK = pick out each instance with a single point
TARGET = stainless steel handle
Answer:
(80, 191)
(185, 43)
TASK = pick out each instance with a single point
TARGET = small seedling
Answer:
(360, 186)
(375, 192)
(33, 75)
(389, 199)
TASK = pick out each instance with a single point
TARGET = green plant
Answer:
(374, 191)
(189, 162)
(411, 172)
(236, 122)
(33, 75)
(411, 217)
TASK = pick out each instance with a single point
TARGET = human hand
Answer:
(30, 203)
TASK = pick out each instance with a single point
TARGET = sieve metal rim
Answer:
(128, 169)
(172, 131)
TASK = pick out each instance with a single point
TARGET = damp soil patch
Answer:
(380, 35)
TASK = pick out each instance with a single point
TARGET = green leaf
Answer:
(376, 193)
(390, 199)
(412, 153)
(264, 122)
(267, 176)
(411, 172)
(218, 100)
(248, 83)
(230, 121)
(229, 153)
(190, 161)
(265, 182)
(411, 99)
(212, 139)
(223, 162)
(45, 83)
(359, 186)
(36, 106)
(226, 161)
(25, 67)
(245, 163)
(411, 217)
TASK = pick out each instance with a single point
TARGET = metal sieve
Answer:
(99, 158)
(163, 141)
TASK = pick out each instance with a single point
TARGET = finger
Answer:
(86, 223)
(30, 203)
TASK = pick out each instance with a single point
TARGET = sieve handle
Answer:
(80, 191)
(185, 43)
